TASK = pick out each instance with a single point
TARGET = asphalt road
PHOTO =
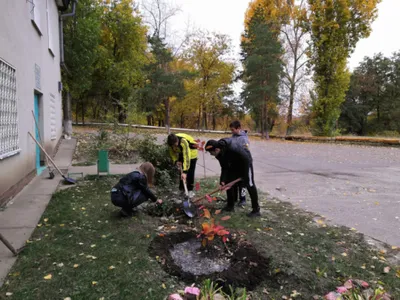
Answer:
(355, 186)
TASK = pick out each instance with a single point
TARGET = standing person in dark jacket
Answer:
(241, 137)
(133, 189)
(236, 162)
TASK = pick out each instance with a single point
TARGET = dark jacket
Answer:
(133, 184)
(242, 138)
(234, 159)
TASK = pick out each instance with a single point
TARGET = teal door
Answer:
(39, 167)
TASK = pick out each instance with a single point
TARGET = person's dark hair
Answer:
(172, 139)
(235, 124)
(211, 145)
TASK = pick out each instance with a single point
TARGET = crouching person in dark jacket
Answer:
(133, 189)
(236, 162)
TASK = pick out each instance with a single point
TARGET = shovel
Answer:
(189, 209)
(225, 187)
(67, 179)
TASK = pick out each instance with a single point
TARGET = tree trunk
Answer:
(167, 125)
(205, 120)
(199, 117)
(182, 121)
(266, 121)
(290, 111)
(76, 111)
(83, 112)
(67, 112)
(214, 122)
(262, 121)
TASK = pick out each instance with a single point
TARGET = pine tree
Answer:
(261, 58)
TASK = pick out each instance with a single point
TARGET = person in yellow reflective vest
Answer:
(183, 152)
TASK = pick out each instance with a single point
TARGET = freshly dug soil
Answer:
(181, 256)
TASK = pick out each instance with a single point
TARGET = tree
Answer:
(158, 13)
(335, 28)
(275, 12)
(82, 37)
(295, 58)
(162, 83)
(207, 55)
(261, 57)
(122, 54)
(371, 103)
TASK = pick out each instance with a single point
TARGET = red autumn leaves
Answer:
(210, 230)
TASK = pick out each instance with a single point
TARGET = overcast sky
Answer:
(226, 16)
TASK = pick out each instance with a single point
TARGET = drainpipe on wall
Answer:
(67, 111)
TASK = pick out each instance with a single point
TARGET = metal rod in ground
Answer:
(8, 245)
(204, 163)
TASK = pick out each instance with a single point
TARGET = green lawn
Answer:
(90, 253)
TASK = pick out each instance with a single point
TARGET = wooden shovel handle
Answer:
(230, 184)
(45, 153)
(8, 245)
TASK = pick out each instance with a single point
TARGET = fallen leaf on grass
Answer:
(217, 212)
(103, 236)
(68, 298)
(83, 208)
(386, 270)
(48, 277)
(94, 282)
(163, 286)
(60, 265)
(46, 219)
(39, 225)
(344, 254)
(398, 273)
(209, 199)
(225, 218)
(207, 213)
(92, 246)
(289, 233)
(147, 236)
(75, 266)
(111, 267)
(62, 225)
(8, 294)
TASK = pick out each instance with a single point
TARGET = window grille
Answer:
(9, 138)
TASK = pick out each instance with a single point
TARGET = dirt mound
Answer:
(242, 266)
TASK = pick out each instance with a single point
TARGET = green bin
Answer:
(103, 165)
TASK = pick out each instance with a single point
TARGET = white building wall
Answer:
(23, 47)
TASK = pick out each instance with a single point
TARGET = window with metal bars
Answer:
(9, 139)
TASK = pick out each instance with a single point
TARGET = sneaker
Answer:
(242, 203)
(254, 213)
(228, 209)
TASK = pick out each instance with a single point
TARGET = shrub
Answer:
(158, 155)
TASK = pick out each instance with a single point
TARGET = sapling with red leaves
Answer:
(210, 230)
